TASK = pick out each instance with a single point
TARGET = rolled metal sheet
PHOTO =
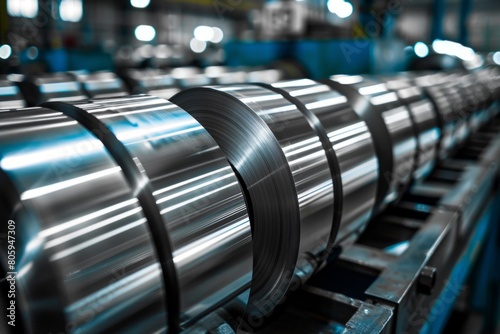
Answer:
(151, 81)
(197, 194)
(478, 99)
(10, 95)
(390, 124)
(460, 97)
(310, 169)
(490, 77)
(425, 121)
(194, 80)
(283, 166)
(350, 152)
(189, 77)
(265, 75)
(102, 85)
(447, 102)
(51, 87)
(221, 75)
(85, 258)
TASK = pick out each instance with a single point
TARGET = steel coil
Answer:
(102, 85)
(390, 124)
(288, 181)
(85, 256)
(424, 117)
(51, 87)
(350, 151)
(10, 95)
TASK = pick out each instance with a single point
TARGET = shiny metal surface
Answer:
(390, 123)
(459, 98)
(196, 193)
(221, 75)
(189, 77)
(350, 145)
(265, 75)
(151, 81)
(490, 76)
(102, 85)
(448, 104)
(255, 153)
(51, 87)
(477, 98)
(85, 258)
(309, 166)
(424, 118)
(134, 215)
(10, 95)
(193, 80)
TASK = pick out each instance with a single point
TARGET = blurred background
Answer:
(316, 37)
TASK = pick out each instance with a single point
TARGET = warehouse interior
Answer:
(237, 166)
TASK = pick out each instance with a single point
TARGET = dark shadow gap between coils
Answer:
(331, 157)
(140, 184)
(381, 137)
(253, 151)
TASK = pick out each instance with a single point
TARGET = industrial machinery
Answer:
(294, 206)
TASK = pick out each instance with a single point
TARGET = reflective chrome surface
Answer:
(447, 102)
(250, 192)
(310, 170)
(350, 146)
(189, 77)
(424, 118)
(265, 75)
(197, 194)
(51, 87)
(395, 139)
(85, 259)
(151, 81)
(102, 85)
(10, 95)
(221, 75)
(256, 155)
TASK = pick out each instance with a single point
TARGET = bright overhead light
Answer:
(22, 8)
(421, 49)
(496, 57)
(139, 3)
(5, 51)
(145, 33)
(218, 35)
(197, 46)
(71, 10)
(453, 49)
(343, 9)
(203, 33)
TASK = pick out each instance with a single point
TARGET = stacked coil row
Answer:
(18, 91)
(141, 214)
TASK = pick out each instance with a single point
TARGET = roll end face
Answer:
(255, 154)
